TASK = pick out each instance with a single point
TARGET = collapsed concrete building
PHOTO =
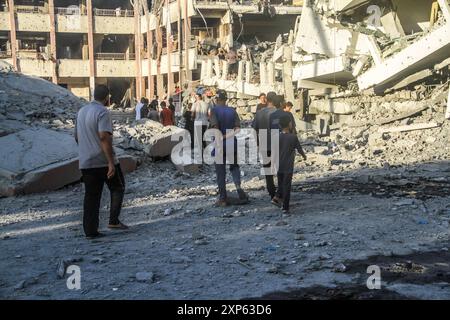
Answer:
(138, 48)
(342, 49)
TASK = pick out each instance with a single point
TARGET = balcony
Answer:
(115, 56)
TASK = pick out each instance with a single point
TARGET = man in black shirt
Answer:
(279, 113)
(262, 102)
(260, 123)
(288, 144)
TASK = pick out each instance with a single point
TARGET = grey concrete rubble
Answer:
(38, 150)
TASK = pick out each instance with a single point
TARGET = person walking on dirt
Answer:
(288, 144)
(98, 163)
(261, 124)
(226, 119)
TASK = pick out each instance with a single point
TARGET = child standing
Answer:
(288, 144)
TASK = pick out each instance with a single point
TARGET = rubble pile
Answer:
(28, 101)
(383, 133)
(146, 137)
(39, 152)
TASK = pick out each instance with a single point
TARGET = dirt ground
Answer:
(341, 223)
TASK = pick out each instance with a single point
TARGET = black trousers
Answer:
(94, 179)
(270, 184)
(284, 188)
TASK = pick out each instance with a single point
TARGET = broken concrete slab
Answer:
(332, 106)
(447, 114)
(37, 160)
(333, 70)
(421, 54)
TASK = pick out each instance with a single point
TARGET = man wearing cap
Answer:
(226, 119)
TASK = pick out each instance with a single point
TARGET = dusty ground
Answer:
(397, 218)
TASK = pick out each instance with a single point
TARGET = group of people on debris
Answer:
(163, 111)
(99, 164)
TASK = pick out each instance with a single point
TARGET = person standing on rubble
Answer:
(262, 102)
(153, 114)
(138, 109)
(98, 163)
(260, 124)
(226, 119)
(144, 109)
(201, 120)
(189, 122)
(166, 115)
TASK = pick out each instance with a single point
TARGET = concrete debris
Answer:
(148, 137)
(39, 152)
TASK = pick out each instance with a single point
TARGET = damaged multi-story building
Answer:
(340, 49)
(138, 48)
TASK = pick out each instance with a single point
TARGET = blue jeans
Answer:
(221, 178)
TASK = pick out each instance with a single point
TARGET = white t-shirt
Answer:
(138, 110)
(201, 112)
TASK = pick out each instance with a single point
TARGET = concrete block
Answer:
(38, 160)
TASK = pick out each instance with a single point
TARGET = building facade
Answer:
(138, 48)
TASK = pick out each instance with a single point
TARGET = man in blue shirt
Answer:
(226, 119)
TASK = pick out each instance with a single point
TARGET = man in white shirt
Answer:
(138, 109)
(200, 111)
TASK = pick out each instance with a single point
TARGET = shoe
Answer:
(221, 203)
(95, 236)
(285, 211)
(242, 195)
(119, 226)
(276, 201)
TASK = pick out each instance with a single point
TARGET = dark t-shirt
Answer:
(225, 118)
(144, 111)
(262, 122)
(289, 143)
(260, 106)
(277, 115)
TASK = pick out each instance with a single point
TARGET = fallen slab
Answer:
(37, 160)
(424, 53)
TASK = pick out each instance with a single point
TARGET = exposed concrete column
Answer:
(85, 47)
(13, 34)
(159, 76)
(230, 39)
(179, 47)
(287, 74)
(51, 9)
(445, 7)
(209, 68)
(151, 84)
(262, 73)
(187, 42)
(240, 76)
(224, 70)
(270, 73)
(92, 71)
(138, 50)
(374, 50)
(248, 71)
(216, 63)
(170, 85)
